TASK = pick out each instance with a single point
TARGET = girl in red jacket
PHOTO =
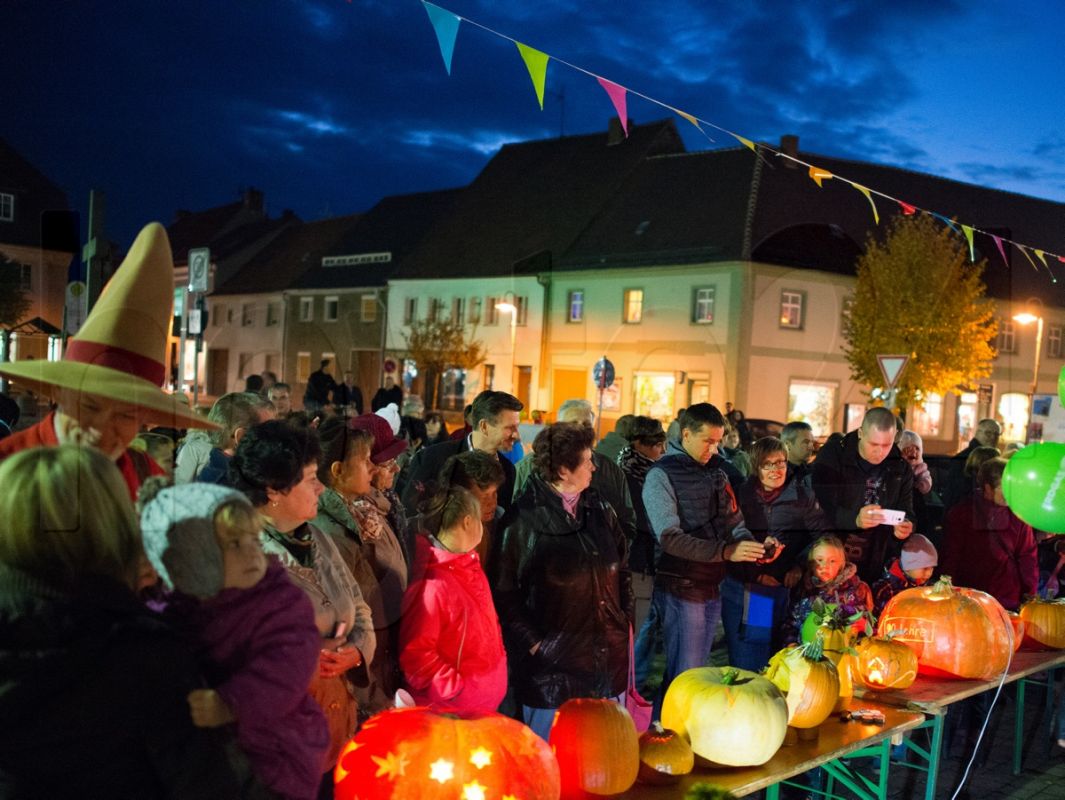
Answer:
(451, 647)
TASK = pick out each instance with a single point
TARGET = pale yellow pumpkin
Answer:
(730, 716)
(809, 681)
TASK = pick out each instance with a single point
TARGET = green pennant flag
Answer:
(536, 63)
(968, 231)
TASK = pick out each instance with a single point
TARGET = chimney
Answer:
(614, 132)
(253, 199)
(789, 146)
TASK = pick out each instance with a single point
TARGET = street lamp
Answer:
(508, 305)
(1027, 318)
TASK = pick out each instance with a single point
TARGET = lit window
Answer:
(306, 310)
(703, 305)
(7, 207)
(576, 305)
(410, 310)
(928, 414)
(368, 307)
(632, 311)
(1007, 337)
(791, 308)
(303, 367)
(247, 316)
(475, 310)
(458, 309)
(491, 313)
(331, 313)
(489, 376)
(1054, 341)
(813, 402)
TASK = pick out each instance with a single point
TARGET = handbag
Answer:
(638, 708)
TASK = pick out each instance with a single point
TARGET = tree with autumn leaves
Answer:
(918, 294)
(438, 345)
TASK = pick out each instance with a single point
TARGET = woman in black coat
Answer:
(564, 591)
(93, 686)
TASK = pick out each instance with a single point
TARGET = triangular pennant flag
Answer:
(869, 197)
(968, 231)
(907, 209)
(946, 221)
(1041, 255)
(536, 63)
(1024, 250)
(1061, 259)
(617, 97)
(817, 175)
(1001, 249)
(446, 26)
(745, 142)
(688, 117)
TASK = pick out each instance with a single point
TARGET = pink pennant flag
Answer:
(617, 97)
(817, 175)
(869, 197)
(968, 231)
(1061, 259)
(1001, 249)
(907, 209)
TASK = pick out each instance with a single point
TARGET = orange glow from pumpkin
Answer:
(876, 676)
(473, 791)
(441, 770)
(481, 758)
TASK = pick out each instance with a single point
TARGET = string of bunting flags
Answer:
(446, 26)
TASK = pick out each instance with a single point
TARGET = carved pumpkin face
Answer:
(418, 754)
(886, 664)
(596, 745)
(810, 685)
(1044, 622)
(730, 716)
(963, 633)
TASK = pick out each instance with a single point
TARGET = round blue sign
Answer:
(603, 372)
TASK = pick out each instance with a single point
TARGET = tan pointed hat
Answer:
(120, 351)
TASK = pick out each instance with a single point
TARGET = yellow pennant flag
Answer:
(1041, 255)
(817, 175)
(536, 63)
(745, 142)
(688, 117)
(869, 197)
(1024, 250)
(968, 231)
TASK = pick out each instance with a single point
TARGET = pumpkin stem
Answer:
(729, 676)
(815, 650)
(944, 587)
(656, 726)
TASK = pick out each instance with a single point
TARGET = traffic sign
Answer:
(199, 267)
(891, 367)
(603, 372)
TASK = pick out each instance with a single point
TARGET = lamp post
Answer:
(1027, 318)
(509, 306)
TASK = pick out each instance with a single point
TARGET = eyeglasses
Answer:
(774, 466)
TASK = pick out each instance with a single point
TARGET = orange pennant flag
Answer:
(817, 175)
(869, 197)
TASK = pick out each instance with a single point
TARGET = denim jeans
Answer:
(688, 630)
(644, 648)
(743, 606)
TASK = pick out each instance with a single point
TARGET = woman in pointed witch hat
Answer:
(108, 383)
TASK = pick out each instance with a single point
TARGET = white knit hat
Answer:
(390, 413)
(917, 553)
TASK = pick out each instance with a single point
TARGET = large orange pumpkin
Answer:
(956, 632)
(418, 754)
(730, 716)
(596, 745)
(809, 681)
(886, 663)
(1044, 622)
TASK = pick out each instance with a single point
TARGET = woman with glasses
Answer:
(781, 510)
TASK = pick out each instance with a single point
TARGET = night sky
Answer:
(328, 105)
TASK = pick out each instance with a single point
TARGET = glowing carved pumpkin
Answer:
(418, 754)
(809, 681)
(886, 664)
(596, 746)
(957, 632)
(1044, 622)
(730, 716)
(664, 755)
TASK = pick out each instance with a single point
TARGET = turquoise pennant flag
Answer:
(446, 26)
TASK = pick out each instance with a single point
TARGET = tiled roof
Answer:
(34, 194)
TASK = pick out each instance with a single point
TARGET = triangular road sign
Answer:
(891, 367)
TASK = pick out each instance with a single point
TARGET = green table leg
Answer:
(772, 792)
(1018, 727)
(933, 755)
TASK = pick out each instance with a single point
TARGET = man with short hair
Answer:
(320, 386)
(347, 397)
(389, 393)
(799, 442)
(280, 394)
(698, 524)
(494, 417)
(856, 477)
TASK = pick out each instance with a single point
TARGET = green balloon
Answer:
(1061, 386)
(1033, 484)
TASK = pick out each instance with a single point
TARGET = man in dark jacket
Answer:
(389, 393)
(956, 484)
(494, 417)
(855, 478)
(695, 517)
(348, 394)
(320, 385)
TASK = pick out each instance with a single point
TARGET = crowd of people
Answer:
(222, 631)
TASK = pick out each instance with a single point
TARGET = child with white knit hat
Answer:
(914, 567)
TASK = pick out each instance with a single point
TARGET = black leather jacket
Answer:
(564, 583)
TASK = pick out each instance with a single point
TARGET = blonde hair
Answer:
(66, 514)
(237, 517)
(828, 540)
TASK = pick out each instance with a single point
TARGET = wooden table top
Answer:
(836, 739)
(932, 695)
